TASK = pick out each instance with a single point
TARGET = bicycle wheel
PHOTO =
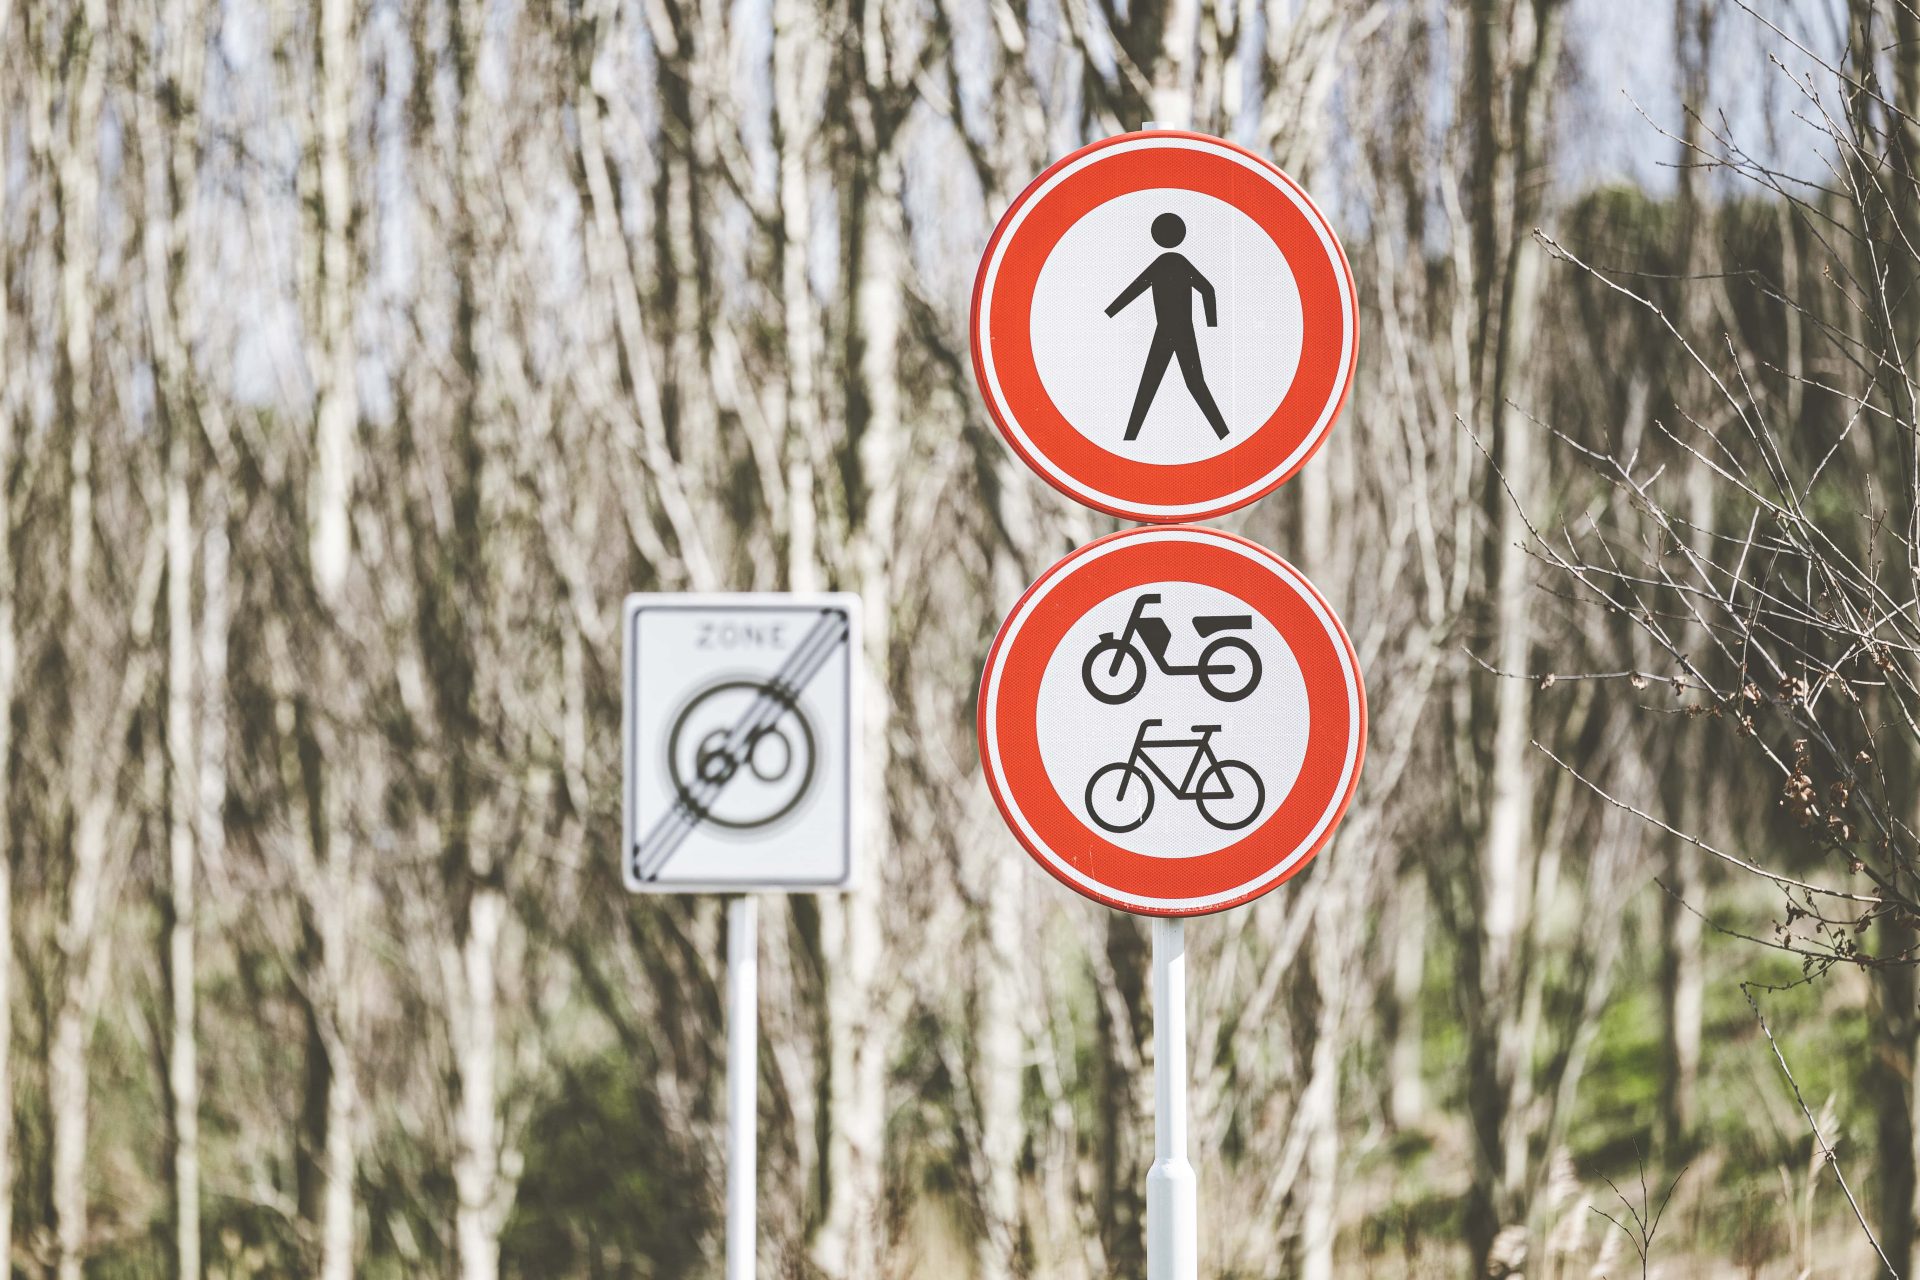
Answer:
(1236, 676)
(1125, 789)
(1230, 795)
(1097, 673)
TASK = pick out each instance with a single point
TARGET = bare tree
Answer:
(1760, 544)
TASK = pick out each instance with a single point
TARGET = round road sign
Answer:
(1163, 326)
(1172, 720)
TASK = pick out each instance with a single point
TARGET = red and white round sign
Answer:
(1164, 326)
(1172, 720)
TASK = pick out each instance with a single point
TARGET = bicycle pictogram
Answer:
(1228, 793)
(1228, 669)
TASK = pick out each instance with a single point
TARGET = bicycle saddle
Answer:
(1206, 728)
(1223, 622)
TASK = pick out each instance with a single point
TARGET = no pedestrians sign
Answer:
(1164, 326)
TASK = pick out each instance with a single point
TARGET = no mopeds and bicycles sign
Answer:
(1172, 720)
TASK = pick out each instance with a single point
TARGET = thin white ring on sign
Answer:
(1006, 794)
(1086, 492)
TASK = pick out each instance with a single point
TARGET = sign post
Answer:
(1171, 720)
(1173, 1204)
(741, 748)
(743, 1075)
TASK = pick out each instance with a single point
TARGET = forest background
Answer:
(359, 356)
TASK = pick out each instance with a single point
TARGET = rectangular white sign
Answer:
(740, 739)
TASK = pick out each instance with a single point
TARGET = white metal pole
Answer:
(1172, 1203)
(1173, 1250)
(743, 1079)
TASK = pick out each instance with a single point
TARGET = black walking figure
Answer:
(1174, 281)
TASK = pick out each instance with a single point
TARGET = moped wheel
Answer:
(1096, 673)
(1231, 795)
(1236, 673)
(1105, 790)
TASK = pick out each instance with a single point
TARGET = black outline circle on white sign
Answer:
(791, 710)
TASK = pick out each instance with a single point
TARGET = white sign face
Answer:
(1092, 363)
(739, 739)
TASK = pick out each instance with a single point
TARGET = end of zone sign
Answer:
(1164, 326)
(740, 741)
(1172, 720)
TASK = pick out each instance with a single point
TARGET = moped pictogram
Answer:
(1229, 667)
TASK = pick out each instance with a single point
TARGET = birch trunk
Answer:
(1520, 50)
(853, 1242)
(8, 663)
(999, 1067)
(479, 1213)
(1683, 976)
(183, 1068)
(1320, 1101)
(167, 156)
(331, 883)
(799, 80)
(341, 1108)
(338, 407)
(67, 1082)
(1406, 1092)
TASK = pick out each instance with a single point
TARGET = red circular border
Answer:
(1293, 232)
(1314, 794)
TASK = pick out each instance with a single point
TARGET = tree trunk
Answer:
(330, 872)
(998, 1068)
(476, 1168)
(799, 81)
(163, 115)
(1893, 1073)
(1405, 1028)
(1513, 55)
(8, 663)
(67, 1082)
(183, 1068)
(339, 1159)
(67, 1113)
(1320, 1100)
(853, 1241)
(338, 407)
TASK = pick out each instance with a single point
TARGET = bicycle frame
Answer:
(1202, 755)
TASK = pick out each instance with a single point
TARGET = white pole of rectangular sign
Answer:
(1172, 1202)
(743, 1079)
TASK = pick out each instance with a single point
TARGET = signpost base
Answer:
(1172, 1201)
(743, 1078)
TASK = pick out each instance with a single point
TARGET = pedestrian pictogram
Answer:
(1145, 254)
(1172, 720)
(739, 741)
(1174, 281)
